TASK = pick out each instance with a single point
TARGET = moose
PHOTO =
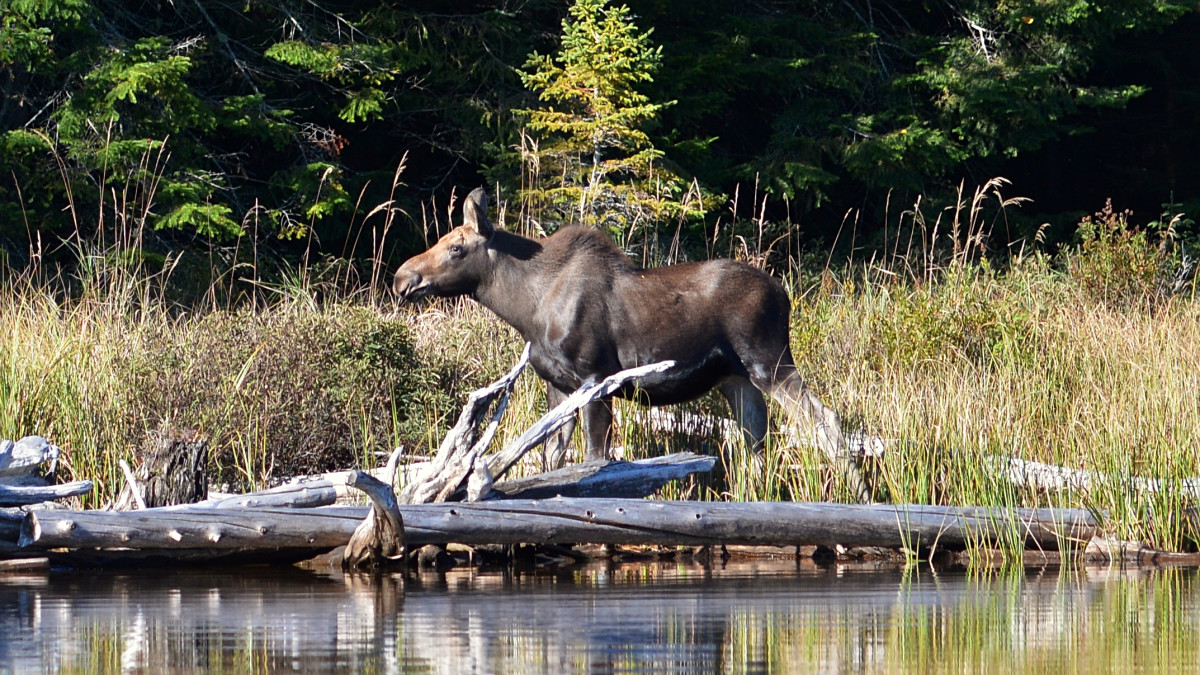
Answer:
(588, 312)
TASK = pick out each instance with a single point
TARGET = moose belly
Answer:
(689, 379)
(693, 375)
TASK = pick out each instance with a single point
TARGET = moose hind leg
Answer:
(803, 406)
(749, 409)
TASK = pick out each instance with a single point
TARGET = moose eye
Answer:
(456, 251)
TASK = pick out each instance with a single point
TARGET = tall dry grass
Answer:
(1086, 359)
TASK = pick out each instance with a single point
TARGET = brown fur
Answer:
(589, 312)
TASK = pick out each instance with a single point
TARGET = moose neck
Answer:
(513, 287)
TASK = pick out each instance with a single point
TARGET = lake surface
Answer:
(745, 617)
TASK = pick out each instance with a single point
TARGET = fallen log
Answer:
(1052, 478)
(629, 480)
(1020, 472)
(295, 495)
(565, 521)
(32, 494)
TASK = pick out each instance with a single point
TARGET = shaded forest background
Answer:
(197, 124)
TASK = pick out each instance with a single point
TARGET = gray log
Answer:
(567, 521)
(176, 469)
(295, 495)
(629, 480)
(196, 528)
(20, 496)
(20, 461)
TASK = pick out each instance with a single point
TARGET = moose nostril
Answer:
(404, 284)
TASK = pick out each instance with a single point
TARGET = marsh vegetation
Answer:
(1084, 357)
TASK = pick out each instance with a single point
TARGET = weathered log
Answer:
(393, 473)
(379, 539)
(1021, 472)
(296, 495)
(567, 521)
(194, 528)
(175, 469)
(1053, 478)
(629, 480)
(21, 461)
(32, 494)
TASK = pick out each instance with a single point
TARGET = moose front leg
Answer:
(559, 443)
(597, 428)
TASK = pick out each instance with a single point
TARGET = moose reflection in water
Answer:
(588, 312)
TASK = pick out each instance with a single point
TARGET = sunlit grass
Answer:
(952, 361)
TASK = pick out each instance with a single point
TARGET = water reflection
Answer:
(765, 617)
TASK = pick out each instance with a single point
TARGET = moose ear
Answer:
(475, 213)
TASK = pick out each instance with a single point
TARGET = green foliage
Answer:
(191, 129)
(363, 68)
(1119, 265)
(592, 153)
(959, 319)
(1008, 81)
(632, 117)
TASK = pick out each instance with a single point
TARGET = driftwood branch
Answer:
(456, 455)
(379, 539)
(563, 412)
(131, 484)
(461, 462)
(563, 521)
(1057, 479)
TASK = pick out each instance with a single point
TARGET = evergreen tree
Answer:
(587, 154)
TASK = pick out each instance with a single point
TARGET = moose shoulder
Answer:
(588, 312)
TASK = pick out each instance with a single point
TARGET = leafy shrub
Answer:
(963, 317)
(1118, 265)
(287, 392)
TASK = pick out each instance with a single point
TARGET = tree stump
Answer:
(174, 470)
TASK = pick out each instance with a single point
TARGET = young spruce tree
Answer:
(587, 156)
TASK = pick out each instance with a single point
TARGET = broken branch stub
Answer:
(456, 455)
(379, 539)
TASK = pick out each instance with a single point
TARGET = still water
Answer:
(748, 617)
